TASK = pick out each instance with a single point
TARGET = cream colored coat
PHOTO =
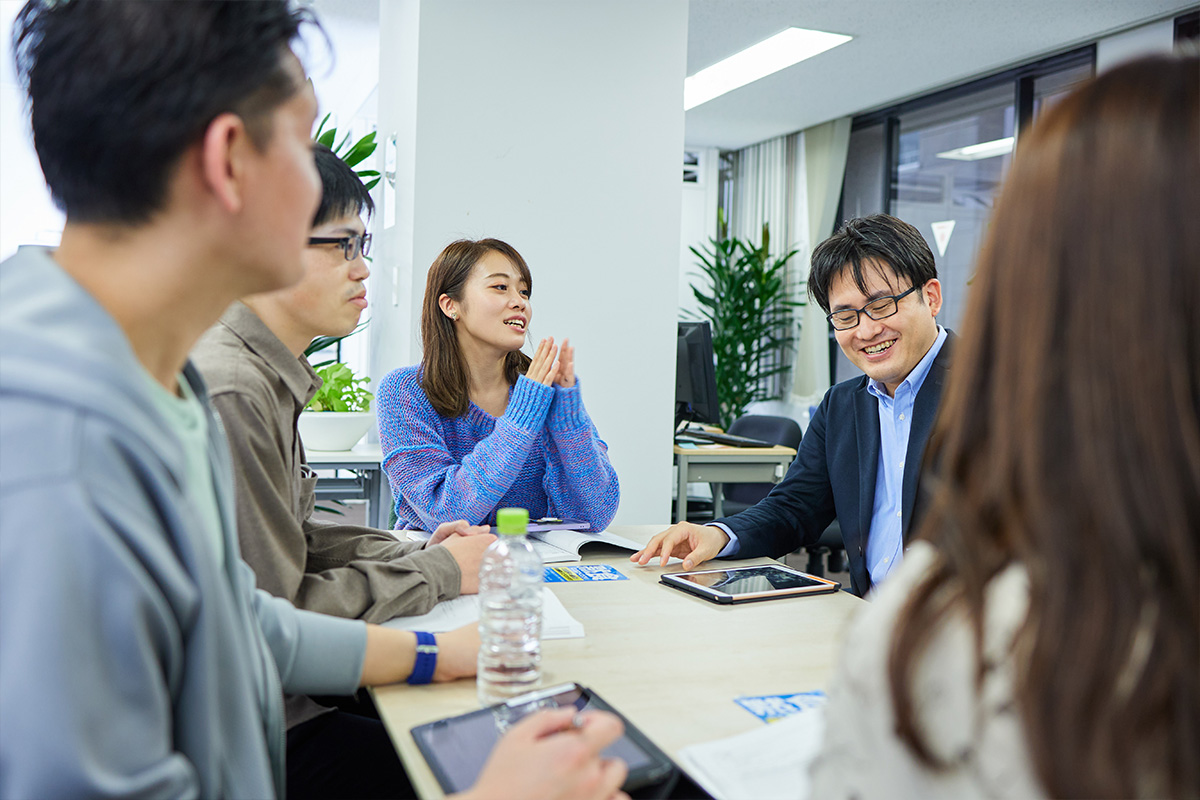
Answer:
(979, 734)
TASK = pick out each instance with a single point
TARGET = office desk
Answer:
(670, 662)
(369, 482)
(719, 464)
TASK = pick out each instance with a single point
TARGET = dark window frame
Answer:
(1023, 79)
(1187, 27)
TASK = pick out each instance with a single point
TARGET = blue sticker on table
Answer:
(583, 572)
(771, 707)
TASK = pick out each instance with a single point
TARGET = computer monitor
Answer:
(695, 379)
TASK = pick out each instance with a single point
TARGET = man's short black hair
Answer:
(119, 90)
(879, 239)
(342, 191)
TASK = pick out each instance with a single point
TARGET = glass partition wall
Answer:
(938, 162)
(950, 162)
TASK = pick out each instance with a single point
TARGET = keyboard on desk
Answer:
(709, 437)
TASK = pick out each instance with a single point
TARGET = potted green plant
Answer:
(345, 395)
(352, 154)
(746, 300)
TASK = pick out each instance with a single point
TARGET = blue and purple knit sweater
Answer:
(543, 454)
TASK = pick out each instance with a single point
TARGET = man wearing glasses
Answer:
(259, 381)
(860, 459)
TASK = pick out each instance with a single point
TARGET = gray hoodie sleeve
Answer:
(110, 675)
(315, 653)
(90, 617)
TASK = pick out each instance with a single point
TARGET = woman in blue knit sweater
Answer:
(479, 425)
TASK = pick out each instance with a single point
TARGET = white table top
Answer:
(725, 451)
(361, 454)
(670, 662)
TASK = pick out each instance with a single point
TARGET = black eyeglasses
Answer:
(880, 308)
(351, 245)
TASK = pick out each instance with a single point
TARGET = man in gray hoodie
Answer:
(136, 657)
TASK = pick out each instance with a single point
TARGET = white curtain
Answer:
(762, 189)
(765, 190)
(793, 183)
(825, 149)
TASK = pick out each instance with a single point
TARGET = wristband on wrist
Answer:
(426, 660)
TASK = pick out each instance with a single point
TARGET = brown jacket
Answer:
(259, 389)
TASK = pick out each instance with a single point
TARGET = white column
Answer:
(556, 125)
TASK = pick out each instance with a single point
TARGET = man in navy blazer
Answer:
(860, 459)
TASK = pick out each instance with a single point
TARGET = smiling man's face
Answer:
(886, 349)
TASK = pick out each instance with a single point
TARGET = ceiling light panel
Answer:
(976, 152)
(781, 51)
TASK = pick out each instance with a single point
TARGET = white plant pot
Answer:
(333, 430)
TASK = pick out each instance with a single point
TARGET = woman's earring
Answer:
(454, 316)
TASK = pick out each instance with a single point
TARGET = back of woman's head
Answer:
(1069, 438)
(444, 374)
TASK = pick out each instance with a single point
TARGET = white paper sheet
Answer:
(557, 623)
(771, 761)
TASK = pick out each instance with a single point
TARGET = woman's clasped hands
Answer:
(553, 365)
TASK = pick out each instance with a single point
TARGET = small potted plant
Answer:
(339, 414)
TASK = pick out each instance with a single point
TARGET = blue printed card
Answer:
(583, 572)
(772, 707)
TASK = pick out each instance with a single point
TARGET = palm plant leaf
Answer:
(743, 293)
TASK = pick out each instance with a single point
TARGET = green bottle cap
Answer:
(512, 521)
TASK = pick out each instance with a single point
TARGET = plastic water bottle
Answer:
(510, 612)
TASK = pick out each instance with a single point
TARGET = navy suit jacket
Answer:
(833, 475)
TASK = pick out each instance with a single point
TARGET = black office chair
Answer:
(829, 545)
(737, 497)
(740, 496)
(776, 430)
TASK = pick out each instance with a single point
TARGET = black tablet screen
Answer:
(750, 580)
(461, 745)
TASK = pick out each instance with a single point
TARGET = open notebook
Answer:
(558, 546)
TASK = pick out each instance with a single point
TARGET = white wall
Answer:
(345, 80)
(27, 215)
(698, 224)
(557, 126)
(1157, 37)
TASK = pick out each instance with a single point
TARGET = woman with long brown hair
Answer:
(479, 425)
(1044, 638)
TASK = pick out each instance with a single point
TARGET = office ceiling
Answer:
(901, 48)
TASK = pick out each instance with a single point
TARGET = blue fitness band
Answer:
(426, 662)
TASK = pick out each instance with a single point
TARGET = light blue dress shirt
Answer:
(885, 538)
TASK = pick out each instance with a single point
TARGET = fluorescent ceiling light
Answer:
(975, 152)
(757, 61)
